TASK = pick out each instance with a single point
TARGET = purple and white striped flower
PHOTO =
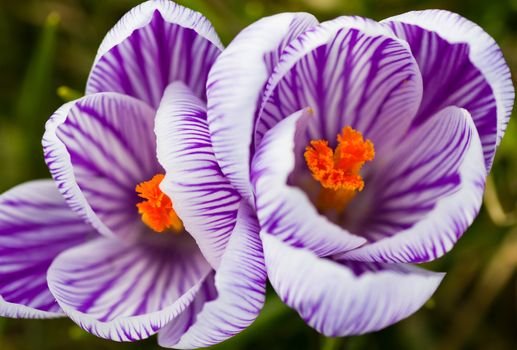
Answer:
(87, 245)
(364, 148)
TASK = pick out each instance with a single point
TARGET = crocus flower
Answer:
(139, 232)
(364, 147)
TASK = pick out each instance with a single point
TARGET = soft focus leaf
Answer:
(38, 72)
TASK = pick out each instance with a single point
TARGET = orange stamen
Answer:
(338, 171)
(156, 209)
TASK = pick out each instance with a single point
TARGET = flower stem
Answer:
(332, 343)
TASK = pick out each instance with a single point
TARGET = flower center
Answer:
(338, 170)
(156, 208)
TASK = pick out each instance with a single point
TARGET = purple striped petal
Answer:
(285, 211)
(98, 148)
(235, 86)
(153, 45)
(175, 329)
(203, 198)
(351, 72)
(240, 284)
(127, 292)
(461, 65)
(425, 197)
(36, 225)
(345, 298)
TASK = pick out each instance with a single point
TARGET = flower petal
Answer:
(351, 72)
(127, 292)
(345, 298)
(236, 83)
(427, 194)
(153, 45)
(461, 65)
(98, 148)
(203, 198)
(174, 330)
(36, 225)
(286, 211)
(240, 284)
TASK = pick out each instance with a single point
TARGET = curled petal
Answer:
(340, 298)
(235, 86)
(283, 210)
(153, 45)
(240, 284)
(98, 148)
(427, 194)
(351, 72)
(461, 65)
(203, 198)
(36, 225)
(180, 324)
(126, 292)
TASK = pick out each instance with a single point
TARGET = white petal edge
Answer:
(484, 53)
(235, 86)
(36, 225)
(202, 197)
(117, 328)
(320, 35)
(438, 231)
(241, 284)
(142, 14)
(11, 310)
(286, 211)
(334, 300)
(59, 161)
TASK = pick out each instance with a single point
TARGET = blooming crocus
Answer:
(364, 148)
(138, 232)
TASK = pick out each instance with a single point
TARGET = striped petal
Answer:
(461, 65)
(351, 72)
(345, 298)
(153, 45)
(426, 195)
(36, 225)
(235, 86)
(98, 148)
(175, 329)
(203, 198)
(127, 292)
(283, 210)
(240, 284)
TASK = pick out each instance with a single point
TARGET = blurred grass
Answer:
(36, 89)
(46, 50)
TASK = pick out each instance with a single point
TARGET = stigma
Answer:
(156, 208)
(338, 171)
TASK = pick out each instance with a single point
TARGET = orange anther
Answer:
(156, 210)
(338, 170)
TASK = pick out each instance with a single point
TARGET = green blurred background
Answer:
(46, 50)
